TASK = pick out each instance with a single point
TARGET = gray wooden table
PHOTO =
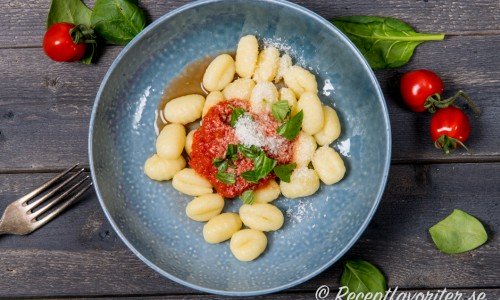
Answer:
(44, 115)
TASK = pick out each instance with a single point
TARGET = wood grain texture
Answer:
(45, 106)
(22, 22)
(79, 254)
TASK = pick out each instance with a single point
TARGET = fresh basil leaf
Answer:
(250, 152)
(360, 276)
(284, 171)
(251, 176)
(70, 11)
(118, 21)
(291, 128)
(217, 161)
(225, 177)
(231, 150)
(280, 110)
(457, 233)
(247, 197)
(263, 165)
(384, 41)
(89, 53)
(236, 114)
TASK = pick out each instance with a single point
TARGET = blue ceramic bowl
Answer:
(149, 216)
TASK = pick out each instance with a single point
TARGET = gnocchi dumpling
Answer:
(303, 182)
(313, 120)
(160, 169)
(247, 54)
(300, 80)
(184, 110)
(248, 244)
(284, 64)
(212, 99)
(239, 89)
(268, 193)
(264, 94)
(331, 129)
(205, 207)
(303, 149)
(221, 228)
(267, 65)
(189, 141)
(188, 182)
(220, 72)
(329, 165)
(261, 216)
(171, 141)
(288, 95)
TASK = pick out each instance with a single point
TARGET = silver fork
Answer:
(23, 217)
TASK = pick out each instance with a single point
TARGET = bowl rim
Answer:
(319, 270)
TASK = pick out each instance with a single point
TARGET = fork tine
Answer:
(57, 199)
(61, 208)
(44, 186)
(53, 191)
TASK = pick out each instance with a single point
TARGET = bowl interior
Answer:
(150, 216)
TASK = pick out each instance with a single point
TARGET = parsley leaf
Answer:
(263, 165)
(247, 197)
(251, 152)
(280, 110)
(236, 114)
(284, 171)
(291, 128)
(225, 177)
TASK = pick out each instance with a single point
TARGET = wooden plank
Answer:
(79, 254)
(45, 106)
(24, 20)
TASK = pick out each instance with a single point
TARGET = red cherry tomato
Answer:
(58, 44)
(416, 86)
(450, 127)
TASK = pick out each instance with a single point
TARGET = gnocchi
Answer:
(205, 207)
(261, 216)
(171, 141)
(220, 72)
(239, 89)
(303, 182)
(303, 150)
(248, 244)
(160, 169)
(212, 99)
(313, 120)
(288, 95)
(267, 65)
(184, 110)
(221, 228)
(264, 94)
(188, 182)
(284, 64)
(268, 193)
(189, 141)
(247, 54)
(331, 129)
(329, 165)
(300, 80)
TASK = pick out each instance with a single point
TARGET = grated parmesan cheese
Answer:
(251, 133)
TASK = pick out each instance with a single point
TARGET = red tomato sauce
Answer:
(210, 141)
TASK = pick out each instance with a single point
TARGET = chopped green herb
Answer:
(236, 114)
(250, 152)
(225, 177)
(284, 171)
(232, 149)
(263, 165)
(291, 128)
(280, 110)
(247, 197)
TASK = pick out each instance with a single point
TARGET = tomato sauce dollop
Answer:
(210, 141)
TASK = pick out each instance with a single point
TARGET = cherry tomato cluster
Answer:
(422, 90)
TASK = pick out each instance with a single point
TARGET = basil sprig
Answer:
(291, 128)
(263, 165)
(281, 110)
(284, 171)
(457, 233)
(360, 276)
(247, 197)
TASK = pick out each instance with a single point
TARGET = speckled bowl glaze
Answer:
(150, 216)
